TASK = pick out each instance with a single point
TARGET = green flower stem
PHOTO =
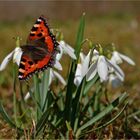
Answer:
(37, 97)
(76, 105)
(14, 95)
(14, 84)
(70, 85)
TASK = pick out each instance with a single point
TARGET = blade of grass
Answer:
(104, 125)
(100, 115)
(133, 114)
(70, 85)
(7, 118)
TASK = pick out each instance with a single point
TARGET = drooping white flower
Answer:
(15, 54)
(82, 68)
(102, 66)
(78, 75)
(57, 65)
(118, 58)
(65, 48)
(115, 69)
(55, 75)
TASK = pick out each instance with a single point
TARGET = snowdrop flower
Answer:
(53, 75)
(65, 48)
(57, 65)
(118, 58)
(82, 68)
(102, 66)
(15, 54)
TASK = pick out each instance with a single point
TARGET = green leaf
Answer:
(90, 84)
(41, 122)
(76, 105)
(100, 115)
(44, 88)
(70, 85)
(7, 118)
(80, 36)
(50, 99)
(37, 96)
(104, 125)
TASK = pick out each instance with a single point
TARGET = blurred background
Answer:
(106, 22)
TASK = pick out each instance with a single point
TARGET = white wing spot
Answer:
(39, 20)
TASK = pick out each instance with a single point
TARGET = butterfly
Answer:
(40, 50)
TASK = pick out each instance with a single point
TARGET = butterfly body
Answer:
(40, 51)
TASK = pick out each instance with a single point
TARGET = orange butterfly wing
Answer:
(40, 51)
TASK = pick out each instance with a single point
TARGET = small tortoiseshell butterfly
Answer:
(40, 51)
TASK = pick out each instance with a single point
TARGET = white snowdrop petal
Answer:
(95, 55)
(59, 55)
(77, 80)
(82, 56)
(102, 68)
(78, 76)
(57, 65)
(116, 58)
(6, 60)
(95, 58)
(62, 43)
(65, 45)
(119, 76)
(17, 55)
(61, 79)
(91, 71)
(78, 70)
(67, 49)
(69, 52)
(116, 68)
(51, 76)
(85, 64)
(95, 52)
(127, 59)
